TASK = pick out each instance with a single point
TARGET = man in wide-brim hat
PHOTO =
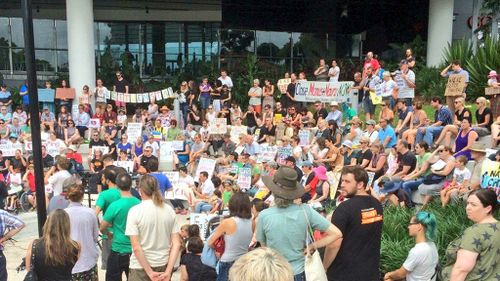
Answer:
(285, 226)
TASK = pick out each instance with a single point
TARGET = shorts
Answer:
(140, 274)
(368, 105)
(89, 275)
(430, 189)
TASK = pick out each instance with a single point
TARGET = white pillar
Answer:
(440, 29)
(81, 54)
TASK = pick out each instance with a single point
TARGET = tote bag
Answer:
(313, 265)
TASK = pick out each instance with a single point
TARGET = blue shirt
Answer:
(335, 116)
(26, 98)
(10, 221)
(163, 182)
(127, 147)
(387, 132)
(252, 149)
(444, 115)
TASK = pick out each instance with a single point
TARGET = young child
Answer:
(15, 186)
(460, 183)
(228, 192)
(191, 266)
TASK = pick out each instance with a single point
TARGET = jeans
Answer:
(203, 207)
(224, 267)
(117, 264)
(184, 109)
(410, 186)
(430, 133)
(106, 249)
(3, 267)
(391, 186)
(205, 101)
(300, 277)
(81, 130)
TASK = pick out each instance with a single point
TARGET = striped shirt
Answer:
(8, 222)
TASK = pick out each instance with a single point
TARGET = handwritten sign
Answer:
(134, 131)
(103, 149)
(267, 153)
(9, 149)
(46, 95)
(326, 92)
(95, 123)
(277, 118)
(121, 118)
(127, 165)
(244, 178)
(455, 85)
(207, 165)
(218, 126)
(490, 176)
(166, 151)
(65, 93)
(283, 84)
(491, 91)
(283, 153)
(304, 137)
(54, 149)
(177, 145)
(201, 220)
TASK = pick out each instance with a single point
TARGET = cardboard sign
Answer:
(490, 91)
(9, 149)
(53, 149)
(103, 149)
(283, 153)
(490, 176)
(244, 178)
(304, 137)
(207, 165)
(46, 95)
(455, 85)
(326, 92)
(134, 131)
(236, 131)
(94, 123)
(267, 153)
(127, 165)
(65, 93)
(177, 145)
(283, 84)
(218, 126)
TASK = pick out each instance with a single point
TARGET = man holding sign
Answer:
(456, 69)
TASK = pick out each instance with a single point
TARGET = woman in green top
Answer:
(173, 131)
(474, 255)
(410, 182)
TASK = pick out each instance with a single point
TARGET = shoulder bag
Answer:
(313, 265)
(31, 275)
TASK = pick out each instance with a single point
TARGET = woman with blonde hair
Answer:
(451, 130)
(55, 253)
(261, 264)
(484, 117)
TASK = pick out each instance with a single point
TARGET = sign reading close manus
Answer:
(311, 91)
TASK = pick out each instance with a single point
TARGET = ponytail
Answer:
(428, 220)
(149, 186)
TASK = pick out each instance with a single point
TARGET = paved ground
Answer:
(16, 250)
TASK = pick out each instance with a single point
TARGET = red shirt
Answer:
(374, 64)
(99, 116)
(75, 156)
(31, 182)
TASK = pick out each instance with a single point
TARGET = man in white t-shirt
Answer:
(56, 176)
(154, 145)
(334, 72)
(225, 80)
(154, 235)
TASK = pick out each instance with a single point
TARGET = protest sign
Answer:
(244, 178)
(239, 149)
(28, 146)
(490, 91)
(490, 176)
(326, 92)
(9, 149)
(277, 118)
(236, 131)
(94, 123)
(173, 177)
(283, 153)
(127, 165)
(218, 126)
(201, 220)
(157, 136)
(53, 149)
(280, 131)
(65, 93)
(455, 85)
(177, 145)
(121, 119)
(75, 111)
(304, 137)
(103, 149)
(166, 151)
(267, 154)
(283, 84)
(207, 165)
(134, 131)
(46, 95)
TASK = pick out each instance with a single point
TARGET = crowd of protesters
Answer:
(355, 166)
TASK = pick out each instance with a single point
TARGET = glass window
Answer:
(4, 32)
(43, 31)
(18, 62)
(45, 60)
(62, 34)
(62, 61)
(17, 32)
(194, 41)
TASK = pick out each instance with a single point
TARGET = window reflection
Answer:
(43, 31)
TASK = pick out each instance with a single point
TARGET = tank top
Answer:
(460, 115)
(416, 119)
(46, 272)
(138, 150)
(71, 131)
(461, 142)
(237, 243)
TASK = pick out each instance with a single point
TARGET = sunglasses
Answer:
(413, 223)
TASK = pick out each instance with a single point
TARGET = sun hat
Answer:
(272, 164)
(492, 74)
(73, 147)
(284, 184)
(477, 147)
(320, 173)
(334, 103)
(371, 122)
(347, 143)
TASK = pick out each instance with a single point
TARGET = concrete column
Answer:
(440, 29)
(81, 54)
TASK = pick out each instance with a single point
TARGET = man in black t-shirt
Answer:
(320, 113)
(145, 158)
(356, 256)
(289, 97)
(406, 165)
(120, 86)
(47, 159)
(96, 141)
